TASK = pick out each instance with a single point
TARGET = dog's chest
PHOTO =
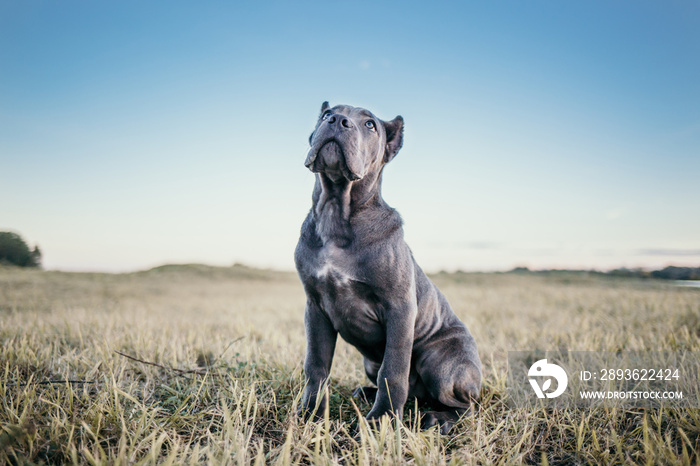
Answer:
(345, 299)
(334, 265)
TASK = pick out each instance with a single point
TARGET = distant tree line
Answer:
(15, 251)
(668, 273)
(678, 273)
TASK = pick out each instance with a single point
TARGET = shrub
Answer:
(15, 251)
(678, 273)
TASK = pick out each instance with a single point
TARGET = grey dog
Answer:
(361, 281)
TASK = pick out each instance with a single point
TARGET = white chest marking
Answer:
(331, 260)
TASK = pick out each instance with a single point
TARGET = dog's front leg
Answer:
(392, 379)
(320, 346)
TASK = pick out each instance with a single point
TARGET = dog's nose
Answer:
(341, 120)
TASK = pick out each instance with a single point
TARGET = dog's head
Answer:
(350, 142)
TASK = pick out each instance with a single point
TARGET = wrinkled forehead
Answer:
(353, 112)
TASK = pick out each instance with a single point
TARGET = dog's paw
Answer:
(375, 414)
(309, 414)
(365, 394)
(444, 419)
(302, 413)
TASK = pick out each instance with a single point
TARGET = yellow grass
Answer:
(229, 345)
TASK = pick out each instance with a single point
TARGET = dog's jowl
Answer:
(362, 282)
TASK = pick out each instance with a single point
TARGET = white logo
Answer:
(542, 369)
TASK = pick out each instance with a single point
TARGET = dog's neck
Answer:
(334, 204)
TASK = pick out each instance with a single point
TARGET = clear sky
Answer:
(538, 133)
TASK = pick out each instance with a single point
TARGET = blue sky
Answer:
(543, 134)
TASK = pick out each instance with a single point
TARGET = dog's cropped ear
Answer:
(324, 106)
(394, 137)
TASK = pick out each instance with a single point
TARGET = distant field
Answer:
(218, 371)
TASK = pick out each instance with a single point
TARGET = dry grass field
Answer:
(203, 365)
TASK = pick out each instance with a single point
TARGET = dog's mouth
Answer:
(329, 158)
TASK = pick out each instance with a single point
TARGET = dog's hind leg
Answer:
(451, 372)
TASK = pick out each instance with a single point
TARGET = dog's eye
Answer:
(370, 124)
(326, 115)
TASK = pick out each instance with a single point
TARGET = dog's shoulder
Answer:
(309, 242)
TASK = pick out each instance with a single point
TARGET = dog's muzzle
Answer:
(329, 158)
